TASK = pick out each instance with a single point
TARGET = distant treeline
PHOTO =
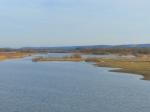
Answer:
(121, 51)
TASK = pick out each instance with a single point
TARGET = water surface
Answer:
(26, 86)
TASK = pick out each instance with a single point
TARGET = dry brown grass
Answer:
(12, 55)
(136, 66)
(57, 59)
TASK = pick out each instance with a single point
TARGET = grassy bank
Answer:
(136, 66)
(74, 57)
(57, 59)
(12, 55)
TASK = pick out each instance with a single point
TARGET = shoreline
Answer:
(12, 55)
(57, 59)
(137, 65)
(127, 66)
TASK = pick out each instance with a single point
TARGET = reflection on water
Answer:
(26, 86)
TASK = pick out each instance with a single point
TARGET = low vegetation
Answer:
(12, 55)
(136, 66)
(74, 57)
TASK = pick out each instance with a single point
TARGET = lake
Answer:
(26, 86)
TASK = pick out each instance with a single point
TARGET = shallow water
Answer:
(26, 86)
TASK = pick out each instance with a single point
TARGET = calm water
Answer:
(69, 87)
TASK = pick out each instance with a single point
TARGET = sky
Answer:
(73, 22)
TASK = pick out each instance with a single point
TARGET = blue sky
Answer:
(73, 22)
